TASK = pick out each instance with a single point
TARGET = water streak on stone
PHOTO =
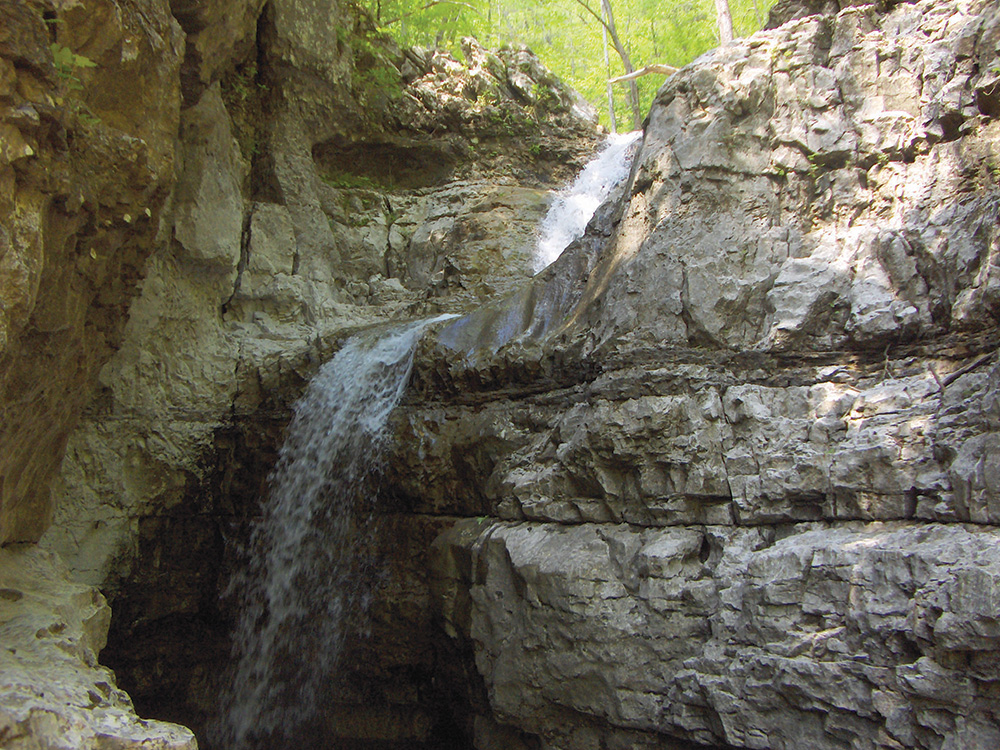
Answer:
(573, 208)
(311, 571)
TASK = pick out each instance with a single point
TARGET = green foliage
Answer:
(376, 78)
(243, 83)
(242, 92)
(87, 118)
(67, 62)
(508, 121)
(375, 75)
(568, 39)
(431, 23)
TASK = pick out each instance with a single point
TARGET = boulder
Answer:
(54, 694)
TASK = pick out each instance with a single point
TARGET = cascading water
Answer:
(310, 570)
(569, 214)
(310, 574)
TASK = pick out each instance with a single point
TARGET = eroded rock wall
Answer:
(53, 693)
(738, 487)
(86, 166)
(195, 207)
(326, 180)
(728, 468)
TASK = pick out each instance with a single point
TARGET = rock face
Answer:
(281, 243)
(89, 109)
(740, 445)
(89, 103)
(724, 475)
(53, 693)
(198, 189)
(322, 184)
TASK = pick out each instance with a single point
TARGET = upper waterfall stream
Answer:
(573, 208)
(311, 553)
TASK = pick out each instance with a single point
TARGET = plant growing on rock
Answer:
(242, 91)
(67, 63)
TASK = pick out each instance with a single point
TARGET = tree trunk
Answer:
(725, 21)
(633, 88)
(611, 89)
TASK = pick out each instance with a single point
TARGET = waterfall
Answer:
(573, 208)
(311, 557)
(310, 574)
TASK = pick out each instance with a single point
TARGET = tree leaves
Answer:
(568, 38)
(67, 62)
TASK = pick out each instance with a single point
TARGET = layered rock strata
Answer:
(281, 241)
(728, 468)
(735, 457)
(225, 167)
(325, 181)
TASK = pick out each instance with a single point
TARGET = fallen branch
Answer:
(968, 368)
(666, 70)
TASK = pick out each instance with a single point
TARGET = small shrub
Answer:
(67, 62)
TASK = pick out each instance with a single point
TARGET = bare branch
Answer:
(600, 19)
(968, 368)
(431, 4)
(666, 70)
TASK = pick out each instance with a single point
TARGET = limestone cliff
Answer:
(89, 107)
(741, 473)
(724, 475)
(198, 199)
(326, 180)
(89, 102)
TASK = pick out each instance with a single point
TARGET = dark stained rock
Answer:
(86, 168)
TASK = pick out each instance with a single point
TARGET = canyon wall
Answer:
(86, 167)
(326, 180)
(202, 198)
(736, 485)
(725, 475)
(89, 107)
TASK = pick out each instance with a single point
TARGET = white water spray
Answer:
(573, 208)
(313, 549)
